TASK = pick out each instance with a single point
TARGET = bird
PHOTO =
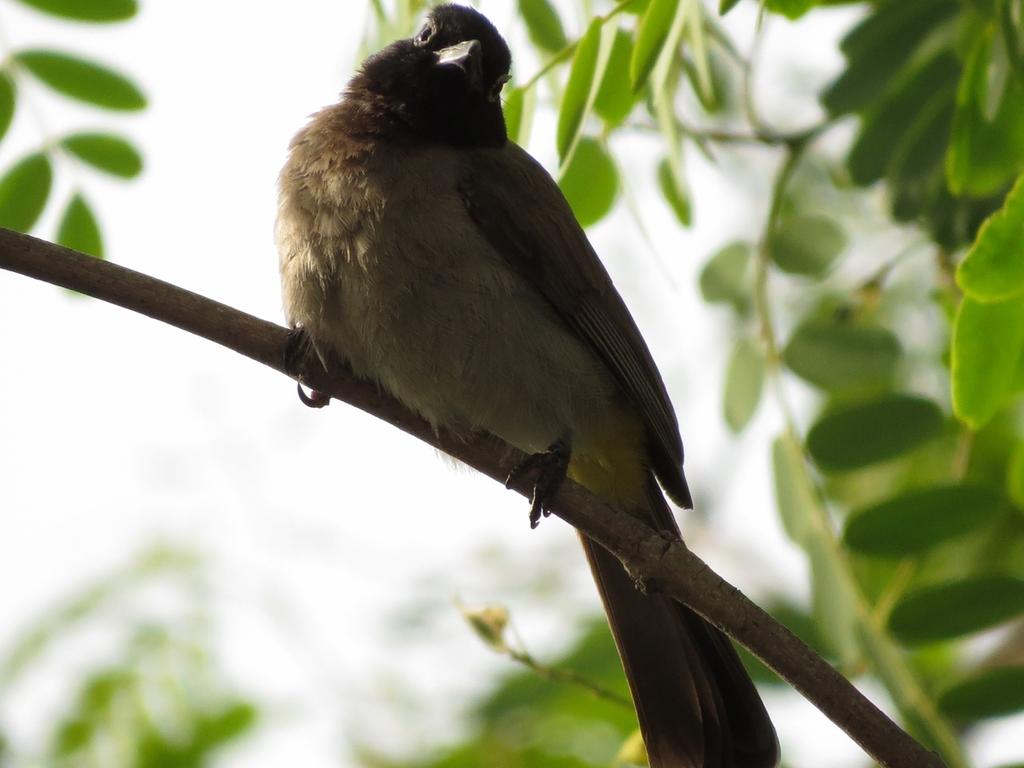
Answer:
(438, 259)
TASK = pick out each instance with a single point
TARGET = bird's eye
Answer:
(495, 93)
(425, 34)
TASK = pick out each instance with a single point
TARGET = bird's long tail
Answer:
(696, 704)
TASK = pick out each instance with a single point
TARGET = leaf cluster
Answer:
(25, 187)
(938, 88)
(623, 72)
(931, 521)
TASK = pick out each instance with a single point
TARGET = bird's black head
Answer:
(444, 84)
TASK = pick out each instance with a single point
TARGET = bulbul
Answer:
(438, 259)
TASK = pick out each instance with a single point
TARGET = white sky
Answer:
(322, 526)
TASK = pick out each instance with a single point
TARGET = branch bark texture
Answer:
(656, 563)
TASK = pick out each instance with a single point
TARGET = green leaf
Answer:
(87, 10)
(884, 130)
(73, 735)
(744, 380)
(23, 192)
(579, 90)
(806, 244)
(991, 693)
(79, 230)
(678, 199)
(83, 80)
(512, 110)
(671, 172)
(615, 98)
(879, 46)
(842, 357)
(1018, 375)
(518, 108)
(724, 277)
(987, 342)
(101, 689)
(1015, 475)
(8, 99)
(983, 154)
(724, 6)
(794, 495)
(650, 37)
(718, 94)
(803, 518)
(591, 182)
(996, 76)
(993, 269)
(880, 28)
(852, 436)
(919, 153)
(636, 7)
(214, 729)
(1011, 16)
(663, 85)
(953, 609)
(791, 9)
(698, 60)
(916, 521)
(543, 25)
(966, 119)
(833, 599)
(105, 151)
(954, 222)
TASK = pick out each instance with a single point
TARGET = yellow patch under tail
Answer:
(610, 460)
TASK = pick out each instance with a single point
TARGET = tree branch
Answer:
(656, 563)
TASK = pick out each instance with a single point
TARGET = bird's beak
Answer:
(467, 56)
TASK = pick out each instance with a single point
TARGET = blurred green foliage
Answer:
(25, 187)
(155, 700)
(528, 721)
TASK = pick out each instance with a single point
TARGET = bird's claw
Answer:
(315, 398)
(548, 468)
(296, 348)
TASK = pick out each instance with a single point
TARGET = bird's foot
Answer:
(296, 348)
(549, 468)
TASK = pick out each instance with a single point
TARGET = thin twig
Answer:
(761, 263)
(568, 677)
(747, 64)
(894, 590)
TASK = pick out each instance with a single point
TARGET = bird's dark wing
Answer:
(524, 216)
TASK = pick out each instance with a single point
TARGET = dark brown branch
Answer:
(655, 562)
